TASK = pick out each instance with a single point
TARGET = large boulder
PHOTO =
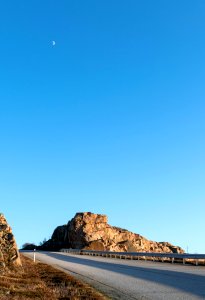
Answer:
(91, 231)
(9, 255)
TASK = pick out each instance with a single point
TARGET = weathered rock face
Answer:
(9, 255)
(91, 231)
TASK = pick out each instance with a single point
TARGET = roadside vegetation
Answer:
(43, 282)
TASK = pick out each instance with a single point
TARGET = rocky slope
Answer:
(91, 231)
(9, 255)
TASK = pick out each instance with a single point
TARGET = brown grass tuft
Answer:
(43, 282)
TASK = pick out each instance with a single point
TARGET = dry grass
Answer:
(40, 281)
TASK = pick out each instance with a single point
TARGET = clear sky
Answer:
(111, 119)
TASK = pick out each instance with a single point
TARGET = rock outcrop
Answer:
(9, 255)
(91, 231)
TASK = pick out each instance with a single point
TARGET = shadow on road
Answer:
(190, 283)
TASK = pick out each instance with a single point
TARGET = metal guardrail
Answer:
(142, 255)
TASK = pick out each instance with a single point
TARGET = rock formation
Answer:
(91, 231)
(9, 255)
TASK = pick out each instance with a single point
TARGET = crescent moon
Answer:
(53, 43)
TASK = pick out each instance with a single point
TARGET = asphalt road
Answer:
(132, 279)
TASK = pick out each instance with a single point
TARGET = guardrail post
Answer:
(172, 260)
(197, 262)
(34, 255)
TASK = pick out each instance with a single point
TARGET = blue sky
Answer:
(109, 120)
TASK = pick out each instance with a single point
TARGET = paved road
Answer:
(132, 279)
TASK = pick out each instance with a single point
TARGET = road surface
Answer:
(131, 279)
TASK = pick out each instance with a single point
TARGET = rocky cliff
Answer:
(9, 255)
(91, 231)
